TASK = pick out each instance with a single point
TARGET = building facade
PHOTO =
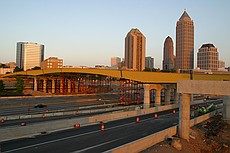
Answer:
(149, 62)
(114, 62)
(29, 55)
(184, 43)
(52, 63)
(208, 57)
(135, 43)
(168, 56)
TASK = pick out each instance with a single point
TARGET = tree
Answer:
(36, 68)
(17, 69)
(19, 85)
(1, 86)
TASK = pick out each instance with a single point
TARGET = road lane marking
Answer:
(61, 139)
(98, 145)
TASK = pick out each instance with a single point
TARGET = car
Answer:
(40, 106)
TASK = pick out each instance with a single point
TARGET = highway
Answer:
(91, 138)
(37, 120)
(14, 106)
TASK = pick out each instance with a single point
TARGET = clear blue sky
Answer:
(89, 32)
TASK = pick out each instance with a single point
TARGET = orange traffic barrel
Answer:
(102, 127)
(137, 119)
(76, 125)
(43, 115)
(174, 111)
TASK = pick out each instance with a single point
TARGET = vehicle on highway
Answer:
(40, 106)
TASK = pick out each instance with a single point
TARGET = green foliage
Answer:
(1, 85)
(19, 85)
(151, 70)
(171, 71)
(36, 68)
(17, 69)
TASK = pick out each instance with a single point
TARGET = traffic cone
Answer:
(43, 115)
(2, 120)
(77, 125)
(138, 119)
(102, 127)
(174, 111)
(155, 115)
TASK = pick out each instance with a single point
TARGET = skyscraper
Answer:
(135, 50)
(29, 55)
(168, 57)
(149, 62)
(208, 57)
(185, 43)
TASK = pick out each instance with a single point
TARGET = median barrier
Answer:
(24, 116)
(15, 131)
(33, 129)
(146, 142)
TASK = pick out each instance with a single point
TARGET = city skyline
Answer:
(86, 30)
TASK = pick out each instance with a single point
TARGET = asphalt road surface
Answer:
(16, 106)
(91, 139)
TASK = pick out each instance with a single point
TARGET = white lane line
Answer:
(74, 136)
(44, 143)
(97, 145)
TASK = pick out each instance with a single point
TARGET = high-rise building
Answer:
(115, 61)
(185, 43)
(135, 50)
(52, 63)
(208, 57)
(168, 57)
(149, 62)
(29, 55)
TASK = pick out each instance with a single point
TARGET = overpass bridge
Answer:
(183, 85)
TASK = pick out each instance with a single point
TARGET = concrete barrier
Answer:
(33, 129)
(145, 142)
(13, 132)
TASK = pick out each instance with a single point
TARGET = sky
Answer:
(90, 32)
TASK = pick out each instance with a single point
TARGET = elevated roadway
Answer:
(140, 76)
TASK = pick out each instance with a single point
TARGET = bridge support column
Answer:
(146, 96)
(35, 84)
(176, 97)
(226, 112)
(61, 85)
(167, 96)
(69, 86)
(53, 86)
(184, 117)
(158, 97)
(44, 85)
